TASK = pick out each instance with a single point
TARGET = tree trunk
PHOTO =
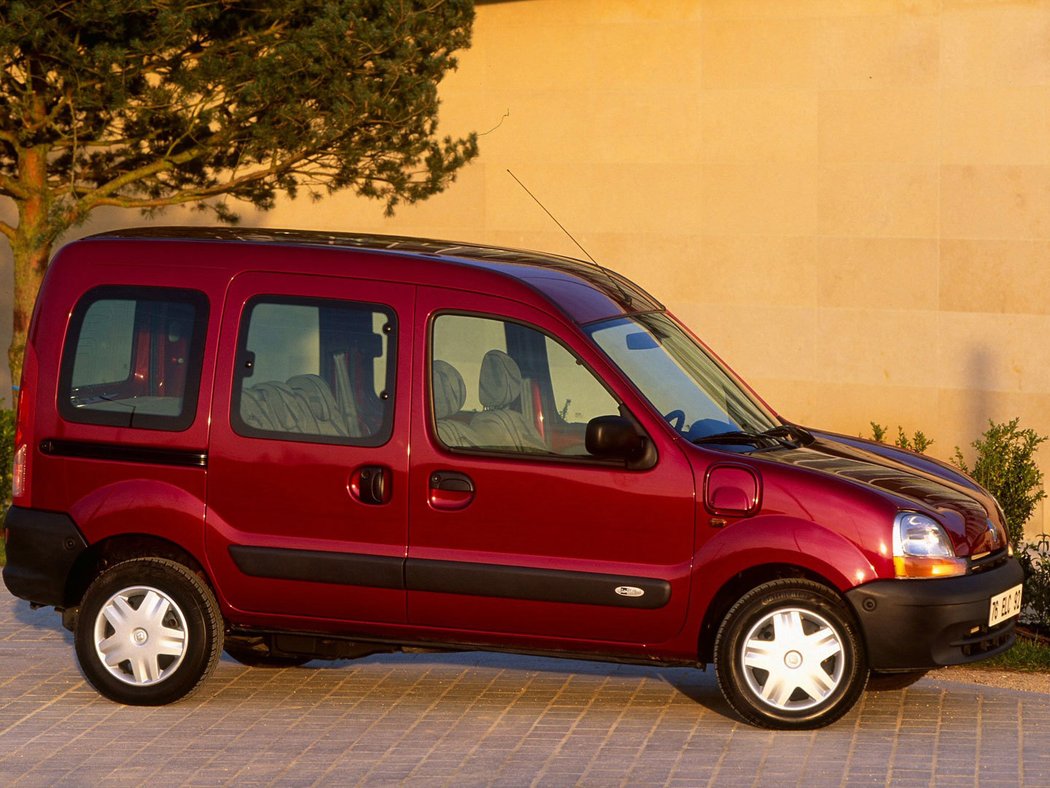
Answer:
(38, 229)
(30, 262)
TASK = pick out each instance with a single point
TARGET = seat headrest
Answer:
(500, 382)
(450, 392)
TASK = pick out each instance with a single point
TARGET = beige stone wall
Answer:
(848, 199)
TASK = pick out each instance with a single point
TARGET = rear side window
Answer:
(133, 358)
(315, 370)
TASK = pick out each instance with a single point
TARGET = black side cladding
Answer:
(452, 577)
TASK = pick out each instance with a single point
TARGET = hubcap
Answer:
(793, 659)
(140, 635)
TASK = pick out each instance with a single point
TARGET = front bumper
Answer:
(921, 624)
(41, 550)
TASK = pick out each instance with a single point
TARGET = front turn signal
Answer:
(907, 566)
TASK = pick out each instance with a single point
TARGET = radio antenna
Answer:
(553, 218)
(612, 279)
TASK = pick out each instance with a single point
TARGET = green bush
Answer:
(7, 451)
(1035, 560)
(1005, 466)
(918, 442)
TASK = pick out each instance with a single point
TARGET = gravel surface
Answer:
(1016, 680)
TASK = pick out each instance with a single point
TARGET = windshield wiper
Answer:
(788, 435)
(736, 436)
(800, 435)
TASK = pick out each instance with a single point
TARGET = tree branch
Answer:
(90, 201)
(12, 188)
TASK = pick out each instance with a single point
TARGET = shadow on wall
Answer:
(978, 375)
(983, 408)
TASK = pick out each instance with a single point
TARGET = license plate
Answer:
(1005, 605)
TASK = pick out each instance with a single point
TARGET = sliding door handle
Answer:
(371, 484)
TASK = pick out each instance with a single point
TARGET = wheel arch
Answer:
(137, 518)
(738, 585)
(756, 551)
(115, 549)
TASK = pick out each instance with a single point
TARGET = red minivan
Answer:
(292, 446)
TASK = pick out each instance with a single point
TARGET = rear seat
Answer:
(304, 405)
(322, 404)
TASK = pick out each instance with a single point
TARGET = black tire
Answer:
(814, 667)
(887, 682)
(168, 627)
(255, 653)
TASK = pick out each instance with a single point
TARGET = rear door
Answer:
(515, 528)
(308, 463)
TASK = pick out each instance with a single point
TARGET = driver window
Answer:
(501, 386)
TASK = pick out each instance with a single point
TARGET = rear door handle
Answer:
(371, 484)
(450, 490)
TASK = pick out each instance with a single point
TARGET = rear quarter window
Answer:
(133, 358)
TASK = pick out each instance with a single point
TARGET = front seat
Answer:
(449, 395)
(501, 424)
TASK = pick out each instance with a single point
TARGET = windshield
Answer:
(692, 391)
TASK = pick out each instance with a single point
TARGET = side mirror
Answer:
(617, 438)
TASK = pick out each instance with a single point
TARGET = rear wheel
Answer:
(148, 632)
(788, 656)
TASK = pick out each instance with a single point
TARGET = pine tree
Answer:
(151, 103)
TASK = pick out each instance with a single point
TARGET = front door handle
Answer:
(371, 484)
(450, 490)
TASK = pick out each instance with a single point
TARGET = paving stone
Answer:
(484, 719)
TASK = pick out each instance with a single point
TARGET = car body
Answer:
(298, 445)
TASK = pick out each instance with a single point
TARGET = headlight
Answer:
(921, 548)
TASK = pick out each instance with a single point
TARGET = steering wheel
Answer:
(676, 418)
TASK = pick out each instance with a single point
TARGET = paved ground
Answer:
(477, 719)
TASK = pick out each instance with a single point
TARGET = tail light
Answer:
(18, 473)
(20, 465)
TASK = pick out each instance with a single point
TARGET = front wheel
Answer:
(148, 632)
(788, 656)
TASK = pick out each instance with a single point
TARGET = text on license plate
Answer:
(1005, 605)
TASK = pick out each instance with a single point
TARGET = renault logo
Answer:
(995, 532)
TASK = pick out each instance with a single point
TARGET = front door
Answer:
(515, 528)
(308, 462)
